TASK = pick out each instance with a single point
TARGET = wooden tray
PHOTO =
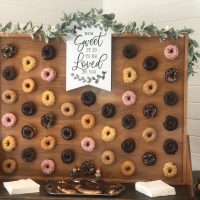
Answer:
(146, 47)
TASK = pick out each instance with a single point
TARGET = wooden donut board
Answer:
(146, 46)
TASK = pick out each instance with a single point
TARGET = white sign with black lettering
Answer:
(88, 59)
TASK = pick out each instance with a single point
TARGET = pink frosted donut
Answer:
(128, 98)
(8, 120)
(48, 74)
(47, 167)
(88, 144)
(171, 52)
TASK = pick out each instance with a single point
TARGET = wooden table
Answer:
(130, 193)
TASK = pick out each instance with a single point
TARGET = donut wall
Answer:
(135, 132)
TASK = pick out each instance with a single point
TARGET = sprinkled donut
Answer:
(9, 73)
(9, 166)
(129, 98)
(48, 143)
(149, 134)
(8, 120)
(171, 75)
(88, 168)
(8, 143)
(28, 63)
(9, 96)
(108, 134)
(129, 75)
(150, 111)
(48, 74)
(169, 169)
(88, 144)
(149, 158)
(48, 52)
(108, 157)
(48, 120)
(28, 85)
(48, 166)
(88, 121)
(150, 87)
(128, 168)
(68, 109)
(171, 52)
(8, 51)
(48, 98)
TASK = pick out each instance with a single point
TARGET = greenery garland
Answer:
(96, 18)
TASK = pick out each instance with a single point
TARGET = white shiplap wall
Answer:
(177, 13)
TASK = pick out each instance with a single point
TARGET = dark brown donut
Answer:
(170, 123)
(150, 63)
(170, 146)
(29, 108)
(150, 111)
(128, 121)
(9, 73)
(149, 158)
(88, 98)
(48, 120)
(128, 145)
(28, 154)
(171, 75)
(48, 52)
(170, 98)
(108, 110)
(129, 51)
(68, 156)
(67, 132)
(88, 167)
(28, 132)
(8, 51)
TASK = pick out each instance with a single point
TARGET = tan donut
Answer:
(108, 134)
(129, 75)
(108, 157)
(28, 63)
(128, 168)
(48, 98)
(150, 87)
(28, 85)
(169, 169)
(48, 143)
(9, 96)
(9, 143)
(149, 134)
(9, 166)
(68, 109)
(88, 121)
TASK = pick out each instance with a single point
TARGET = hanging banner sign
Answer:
(88, 59)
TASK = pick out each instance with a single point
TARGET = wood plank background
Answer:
(146, 47)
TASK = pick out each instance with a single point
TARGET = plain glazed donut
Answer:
(28, 63)
(108, 157)
(169, 169)
(48, 143)
(68, 109)
(48, 74)
(48, 166)
(150, 87)
(129, 98)
(128, 168)
(171, 52)
(48, 98)
(9, 166)
(108, 134)
(8, 143)
(28, 85)
(8, 120)
(88, 144)
(149, 134)
(88, 121)
(9, 96)
(129, 75)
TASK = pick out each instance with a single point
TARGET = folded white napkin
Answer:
(22, 186)
(155, 188)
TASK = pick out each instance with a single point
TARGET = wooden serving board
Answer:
(146, 47)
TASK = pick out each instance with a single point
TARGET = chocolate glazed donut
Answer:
(108, 110)
(128, 121)
(88, 98)
(150, 63)
(9, 73)
(170, 146)
(68, 156)
(29, 108)
(28, 154)
(128, 145)
(67, 132)
(48, 52)
(170, 98)
(170, 123)
(129, 51)
(28, 132)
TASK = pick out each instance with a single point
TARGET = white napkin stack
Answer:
(22, 186)
(155, 188)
